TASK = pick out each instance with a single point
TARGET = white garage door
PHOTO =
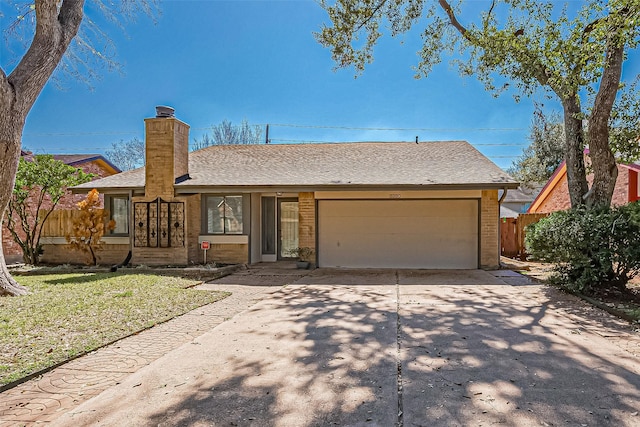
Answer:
(398, 233)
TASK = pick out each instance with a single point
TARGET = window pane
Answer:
(269, 225)
(215, 215)
(233, 215)
(288, 228)
(120, 214)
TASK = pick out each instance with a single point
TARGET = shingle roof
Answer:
(440, 163)
(518, 195)
(508, 213)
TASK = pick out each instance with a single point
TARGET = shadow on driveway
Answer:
(510, 356)
(349, 348)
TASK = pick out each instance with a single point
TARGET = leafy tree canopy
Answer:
(47, 29)
(545, 153)
(573, 52)
(40, 184)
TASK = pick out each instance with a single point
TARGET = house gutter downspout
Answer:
(504, 194)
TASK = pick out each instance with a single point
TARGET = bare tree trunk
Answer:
(8, 285)
(574, 151)
(57, 24)
(605, 171)
(11, 126)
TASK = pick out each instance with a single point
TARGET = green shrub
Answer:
(593, 249)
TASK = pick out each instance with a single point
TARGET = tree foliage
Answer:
(226, 133)
(573, 52)
(544, 154)
(40, 184)
(127, 155)
(89, 227)
(593, 250)
(46, 29)
(625, 122)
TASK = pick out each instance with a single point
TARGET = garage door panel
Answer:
(403, 233)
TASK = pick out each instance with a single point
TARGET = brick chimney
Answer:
(167, 153)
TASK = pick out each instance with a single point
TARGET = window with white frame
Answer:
(118, 206)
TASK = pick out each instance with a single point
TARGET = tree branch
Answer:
(609, 82)
(453, 19)
(55, 28)
(373, 13)
(486, 21)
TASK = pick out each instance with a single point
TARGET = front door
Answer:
(287, 227)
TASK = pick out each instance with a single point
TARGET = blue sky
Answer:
(258, 60)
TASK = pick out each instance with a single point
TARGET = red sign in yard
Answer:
(204, 245)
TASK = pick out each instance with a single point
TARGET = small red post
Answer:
(204, 245)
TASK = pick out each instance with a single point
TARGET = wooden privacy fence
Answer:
(60, 222)
(512, 234)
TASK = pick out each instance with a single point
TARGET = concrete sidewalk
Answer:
(385, 348)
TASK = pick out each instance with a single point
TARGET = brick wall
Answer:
(489, 231)
(159, 256)
(621, 190)
(167, 146)
(558, 198)
(62, 254)
(13, 252)
(228, 253)
(307, 222)
(166, 142)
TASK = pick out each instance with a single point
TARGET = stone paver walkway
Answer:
(45, 398)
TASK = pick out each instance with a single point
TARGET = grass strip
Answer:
(70, 314)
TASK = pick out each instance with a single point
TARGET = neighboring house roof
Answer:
(632, 166)
(557, 176)
(508, 213)
(520, 196)
(77, 159)
(446, 164)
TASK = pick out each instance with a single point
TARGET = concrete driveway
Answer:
(388, 348)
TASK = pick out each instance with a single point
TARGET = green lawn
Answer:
(68, 314)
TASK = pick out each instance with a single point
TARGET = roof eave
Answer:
(182, 189)
(560, 171)
(111, 190)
